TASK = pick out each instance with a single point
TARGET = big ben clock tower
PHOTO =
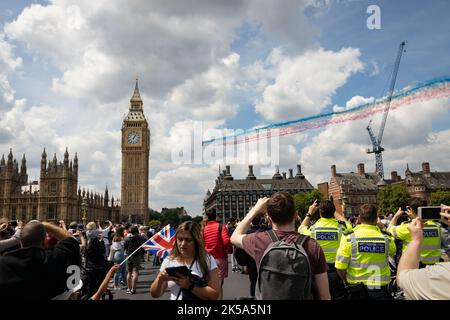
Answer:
(135, 162)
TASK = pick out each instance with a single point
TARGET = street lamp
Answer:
(84, 207)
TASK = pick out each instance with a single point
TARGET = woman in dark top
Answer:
(95, 259)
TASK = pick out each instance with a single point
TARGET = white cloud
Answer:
(184, 186)
(305, 84)
(353, 102)
(8, 62)
(206, 96)
(6, 90)
(357, 101)
(160, 42)
(98, 45)
(283, 22)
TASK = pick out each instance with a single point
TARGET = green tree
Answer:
(185, 218)
(171, 217)
(154, 215)
(304, 199)
(440, 197)
(154, 223)
(198, 219)
(391, 197)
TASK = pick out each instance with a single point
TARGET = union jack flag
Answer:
(161, 243)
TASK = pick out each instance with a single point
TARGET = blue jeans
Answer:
(119, 256)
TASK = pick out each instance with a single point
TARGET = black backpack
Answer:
(241, 256)
(284, 272)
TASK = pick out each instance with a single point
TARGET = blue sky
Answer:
(67, 71)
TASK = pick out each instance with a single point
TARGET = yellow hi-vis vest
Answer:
(327, 232)
(430, 252)
(364, 254)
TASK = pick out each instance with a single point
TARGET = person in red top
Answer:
(217, 244)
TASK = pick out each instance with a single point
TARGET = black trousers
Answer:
(95, 279)
(337, 287)
(361, 292)
(253, 276)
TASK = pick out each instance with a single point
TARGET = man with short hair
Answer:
(282, 215)
(362, 258)
(131, 244)
(34, 273)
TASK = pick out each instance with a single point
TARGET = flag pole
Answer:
(128, 257)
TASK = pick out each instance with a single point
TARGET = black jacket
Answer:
(132, 243)
(95, 254)
(35, 273)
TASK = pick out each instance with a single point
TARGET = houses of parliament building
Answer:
(56, 196)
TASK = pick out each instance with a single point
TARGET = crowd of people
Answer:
(322, 257)
(35, 258)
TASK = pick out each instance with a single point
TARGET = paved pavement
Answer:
(236, 285)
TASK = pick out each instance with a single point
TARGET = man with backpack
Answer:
(290, 266)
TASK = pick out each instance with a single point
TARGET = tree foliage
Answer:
(391, 197)
(185, 218)
(154, 215)
(198, 219)
(172, 218)
(154, 223)
(440, 197)
(304, 199)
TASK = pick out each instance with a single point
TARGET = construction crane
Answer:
(376, 141)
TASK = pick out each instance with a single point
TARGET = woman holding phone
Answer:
(189, 251)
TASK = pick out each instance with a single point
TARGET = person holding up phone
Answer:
(327, 231)
(432, 282)
(189, 251)
(431, 248)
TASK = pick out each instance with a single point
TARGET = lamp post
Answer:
(84, 207)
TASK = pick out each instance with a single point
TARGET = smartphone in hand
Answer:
(172, 271)
(429, 213)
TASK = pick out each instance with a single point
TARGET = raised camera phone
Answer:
(429, 213)
(172, 271)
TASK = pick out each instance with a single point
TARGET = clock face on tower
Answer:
(133, 137)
